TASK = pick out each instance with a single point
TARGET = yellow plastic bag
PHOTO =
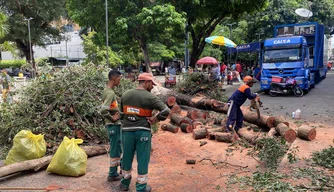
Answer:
(70, 159)
(26, 146)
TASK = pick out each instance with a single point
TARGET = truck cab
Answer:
(286, 56)
(298, 51)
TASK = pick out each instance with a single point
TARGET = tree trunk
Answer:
(199, 133)
(250, 136)
(176, 109)
(144, 49)
(264, 121)
(176, 119)
(210, 133)
(224, 137)
(307, 133)
(37, 164)
(286, 132)
(170, 127)
(197, 124)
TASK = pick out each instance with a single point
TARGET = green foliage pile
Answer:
(12, 63)
(324, 158)
(270, 151)
(201, 83)
(65, 105)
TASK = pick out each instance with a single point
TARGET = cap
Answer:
(249, 79)
(146, 77)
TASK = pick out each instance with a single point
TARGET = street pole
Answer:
(230, 26)
(107, 32)
(31, 61)
(186, 50)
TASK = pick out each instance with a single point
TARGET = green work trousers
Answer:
(115, 148)
(139, 142)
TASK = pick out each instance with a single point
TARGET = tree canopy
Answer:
(42, 12)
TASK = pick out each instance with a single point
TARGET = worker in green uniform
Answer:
(136, 107)
(110, 112)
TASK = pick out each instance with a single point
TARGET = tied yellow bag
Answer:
(26, 146)
(70, 159)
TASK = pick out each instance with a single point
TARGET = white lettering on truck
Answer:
(282, 41)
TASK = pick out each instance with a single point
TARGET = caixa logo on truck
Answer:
(282, 41)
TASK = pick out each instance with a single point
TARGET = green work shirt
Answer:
(109, 106)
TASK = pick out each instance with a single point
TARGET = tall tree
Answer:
(130, 22)
(42, 12)
(204, 16)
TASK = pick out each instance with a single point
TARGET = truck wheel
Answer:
(298, 91)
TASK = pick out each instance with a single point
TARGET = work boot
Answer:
(123, 187)
(117, 178)
(148, 188)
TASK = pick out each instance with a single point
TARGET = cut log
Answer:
(224, 137)
(186, 128)
(249, 135)
(37, 164)
(265, 121)
(307, 133)
(271, 132)
(176, 119)
(197, 124)
(210, 133)
(186, 120)
(280, 119)
(199, 133)
(193, 114)
(176, 109)
(170, 127)
(171, 101)
(286, 132)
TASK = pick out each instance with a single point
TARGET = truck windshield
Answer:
(282, 55)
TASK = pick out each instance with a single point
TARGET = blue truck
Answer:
(299, 51)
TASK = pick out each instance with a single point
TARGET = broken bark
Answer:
(199, 133)
(170, 127)
(286, 132)
(307, 133)
(37, 164)
(186, 128)
(224, 137)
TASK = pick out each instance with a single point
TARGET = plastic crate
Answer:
(276, 79)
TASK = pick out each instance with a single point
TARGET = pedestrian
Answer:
(238, 98)
(137, 106)
(111, 115)
(239, 69)
(216, 72)
(5, 81)
(223, 72)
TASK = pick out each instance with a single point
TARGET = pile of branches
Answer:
(200, 83)
(67, 104)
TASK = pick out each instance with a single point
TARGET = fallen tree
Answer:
(37, 164)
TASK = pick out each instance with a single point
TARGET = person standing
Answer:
(137, 106)
(239, 69)
(111, 115)
(237, 99)
(5, 81)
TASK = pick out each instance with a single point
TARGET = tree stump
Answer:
(199, 133)
(286, 132)
(307, 133)
(170, 127)
(186, 128)
(224, 137)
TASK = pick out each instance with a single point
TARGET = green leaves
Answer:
(324, 158)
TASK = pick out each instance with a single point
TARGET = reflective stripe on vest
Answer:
(130, 110)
